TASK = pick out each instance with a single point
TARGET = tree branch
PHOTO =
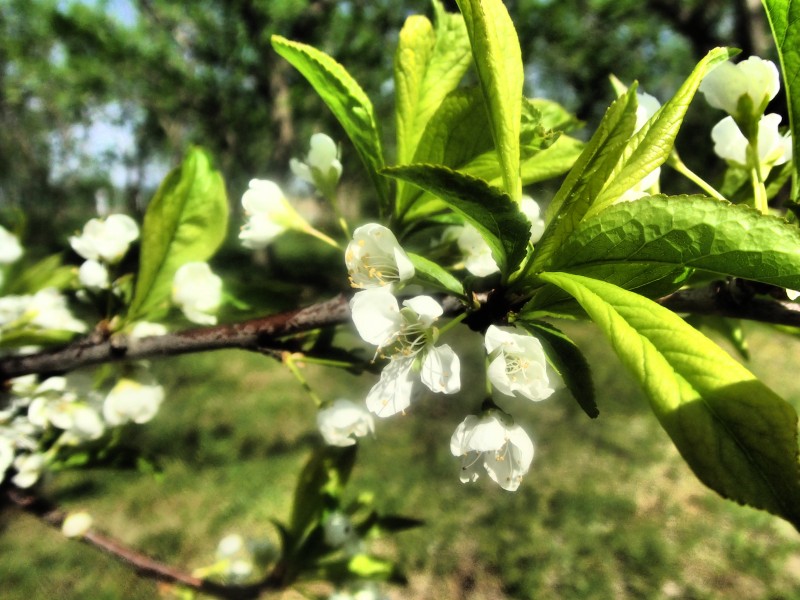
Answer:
(735, 299)
(144, 565)
(258, 335)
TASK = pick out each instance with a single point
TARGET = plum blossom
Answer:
(793, 294)
(131, 400)
(6, 453)
(344, 421)
(10, 248)
(517, 364)
(77, 524)
(408, 336)
(339, 531)
(269, 214)
(234, 558)
(754, 78)
(106, 239)
(531, 209)
(321, 167)
(197, 291)
(29, 468)
(478, 258)
(93, 275)
(504, 451)
(143, 329)
(374, 258)
(68, 405)
(46, 309)
(773, 148)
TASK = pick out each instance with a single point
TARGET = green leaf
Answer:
(784, 19)
(323, 478)
(569, 361)
(23, 278)
(498, 60)
(492, 212)
(428, 65)
(649, 147)
(457, 132)
(433, 274)
(686, 231)
(347, 101)
(587, 177)
(736, 434)
(186, 221)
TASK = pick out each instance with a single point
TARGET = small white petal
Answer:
(376, 316)
(76, 524)
(441, 370)
(197, 291)
(392, 394)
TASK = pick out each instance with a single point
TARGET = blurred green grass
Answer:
(608, 510)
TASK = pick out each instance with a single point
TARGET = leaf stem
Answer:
(676, 163)
(290, 360)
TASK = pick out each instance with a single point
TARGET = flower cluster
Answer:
(747, 137)
(45, 310)
(41, 418)
(103, 243)
(197, 291)
(477, 255)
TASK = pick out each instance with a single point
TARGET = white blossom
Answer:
(106, 239)
(143, 329)
(77, 524)
(727, 83)
(67, 407)
(29, 468)
(235, 557)
(408, 336)
(268, 214)
(531, 209)
(197, 291)
(131, 400)
(93, 275)
(344, 421)
(6, 453)
(321, 167)
(504, 451)
(773, 148)
(48, 310)
(517, 364)
(10, 248)
(793, 294)
(478, 258)
(374, 258)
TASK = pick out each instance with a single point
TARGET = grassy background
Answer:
(608, 510)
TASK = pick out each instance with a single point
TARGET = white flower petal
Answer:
(197, 291)
(374, 258)
(344, 421)
(441, 370)
(392, 394)
(376, 316)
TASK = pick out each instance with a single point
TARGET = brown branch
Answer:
(258, 335)
(144, 565)
(736, 300)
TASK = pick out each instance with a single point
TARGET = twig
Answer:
(259, 335)
(144, 565)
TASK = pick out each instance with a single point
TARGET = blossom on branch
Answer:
(106, 239)
(478, 258)
(504, 451)
(374, 258)
(197, 291)
(531, 209)
(343, 421)
(407, 336)
(321, 167)
(10, 248)
(731, 87)
(773, 148)
(93, 275)
(518, 365)
(131, 400)
(269, 214)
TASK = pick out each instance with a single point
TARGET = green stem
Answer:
(321, 236)
(680, 167)
(452, 323)
(290, 361)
